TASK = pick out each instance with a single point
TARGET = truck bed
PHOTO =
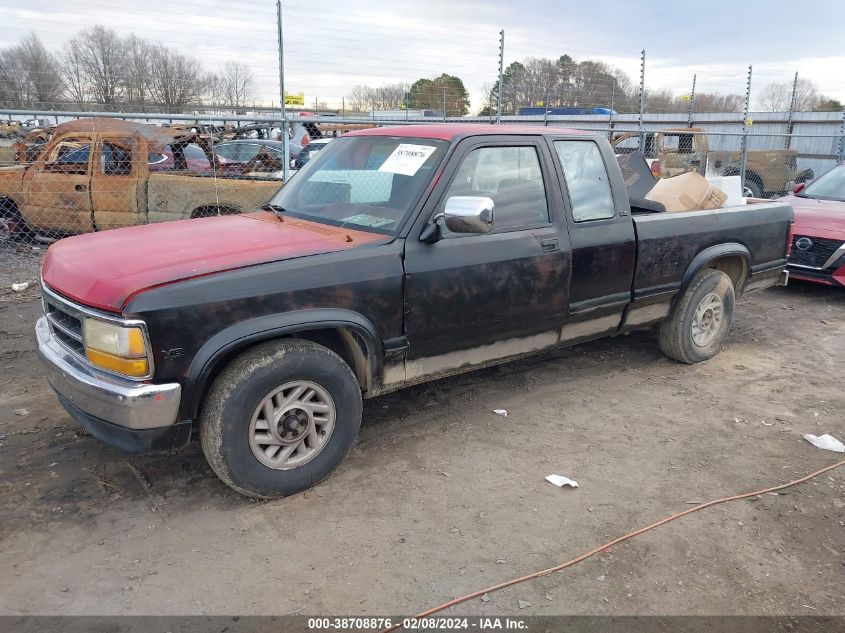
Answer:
(668, 243)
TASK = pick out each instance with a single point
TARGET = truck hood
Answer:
(104, 270)
(826, 218)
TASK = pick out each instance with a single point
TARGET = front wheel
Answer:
(280, 418)
(698, 324)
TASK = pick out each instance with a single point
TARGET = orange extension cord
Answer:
(616, 541)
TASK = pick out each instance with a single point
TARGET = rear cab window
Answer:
(587, 180)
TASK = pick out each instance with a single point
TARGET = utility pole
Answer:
(789, 124)
(691, 103)
(642, 100)
(501, 75)
(285, 125)
(743, 159)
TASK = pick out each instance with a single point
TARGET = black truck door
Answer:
(601, 234)
(470, 299)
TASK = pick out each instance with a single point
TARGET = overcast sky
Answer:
(332, 45)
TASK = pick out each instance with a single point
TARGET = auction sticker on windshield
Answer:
(365, 219)
(407, 159)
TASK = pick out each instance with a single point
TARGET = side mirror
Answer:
(799, 187)
(468, 214)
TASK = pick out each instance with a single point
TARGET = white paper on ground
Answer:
(561, 481)
(826, 442)
(501, 412)
(407, 159)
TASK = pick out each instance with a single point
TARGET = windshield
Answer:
(364, 182)
(829, 186)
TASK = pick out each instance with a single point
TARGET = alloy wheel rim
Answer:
(707, 320)
(291, 425)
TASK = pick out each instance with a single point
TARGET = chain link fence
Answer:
(98, 173)
(208, 112)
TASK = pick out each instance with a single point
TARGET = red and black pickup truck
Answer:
(396, 256)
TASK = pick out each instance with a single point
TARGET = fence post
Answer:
(501, 75)
(789, 123)
(642, 101)
(285, 128)
(691, 103)
(743, 157)
(546, 105)
(841, 158)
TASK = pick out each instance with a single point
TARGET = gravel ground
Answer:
(441, 496)
(19, 263)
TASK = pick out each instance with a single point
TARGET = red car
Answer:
(818, 245)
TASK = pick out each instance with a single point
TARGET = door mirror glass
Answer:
(469, 214)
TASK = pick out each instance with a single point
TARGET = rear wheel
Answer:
(12, 225)
(700, 321)
(280, 418)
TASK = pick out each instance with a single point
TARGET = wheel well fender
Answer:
(349, 334)
(731, 258)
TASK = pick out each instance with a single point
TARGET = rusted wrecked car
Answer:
(9, 129)
(96, 174)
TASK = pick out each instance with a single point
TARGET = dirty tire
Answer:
(677, 338)
(244, 384)
(12, 225)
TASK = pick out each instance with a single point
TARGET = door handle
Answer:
(550, 245)
(81, 187)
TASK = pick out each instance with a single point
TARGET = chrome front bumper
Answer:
(125, 403)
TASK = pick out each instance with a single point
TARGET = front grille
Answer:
(817, 255)
(65, 326)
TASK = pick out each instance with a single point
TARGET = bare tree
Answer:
(236, 84)
(138, 66)
(103, 59)
(717, 102)
(42, 72)
(13, 83)
(212, 93)
(176, 81)
(73, 73)
(360, 99)
(29, 74)
(777, 96)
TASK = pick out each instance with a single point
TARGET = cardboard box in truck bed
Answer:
(687, 192)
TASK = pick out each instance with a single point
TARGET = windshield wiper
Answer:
(275, 208)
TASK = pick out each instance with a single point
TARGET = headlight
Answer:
(115, 347)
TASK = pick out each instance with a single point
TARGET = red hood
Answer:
(822, 218)
(104, 270)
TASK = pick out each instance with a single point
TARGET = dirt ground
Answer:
(441, 496)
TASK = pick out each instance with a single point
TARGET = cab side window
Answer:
(116, 160)
(69, 156)
(512, 177)
(586, 179)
